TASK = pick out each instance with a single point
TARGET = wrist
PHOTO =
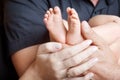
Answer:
(116, 75)
(31, 73)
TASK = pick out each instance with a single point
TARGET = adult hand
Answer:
(53, 61)
(107, 66)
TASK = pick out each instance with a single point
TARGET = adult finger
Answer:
(49, 47)
(88, 76)
(77, 59)
(73, 50)
(82, 67)
(88, 33)
(73, 61)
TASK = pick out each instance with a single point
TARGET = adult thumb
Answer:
(88, 33)
(49, 47)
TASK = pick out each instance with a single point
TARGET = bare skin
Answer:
(74, 29)
(27, 59)
(52, 21)
(53, 62)
(103, 19)
(54, 24)
(101, 27)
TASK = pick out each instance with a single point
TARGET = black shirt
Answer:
(7, 72)
(24, 18)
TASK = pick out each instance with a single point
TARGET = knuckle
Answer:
(93, 48)
(61, 74)
(58, 76)
(70, 52)
(43, 47)
(74, 60)
(56, 63)
(46, 46)
(70, 63)
(72, 72)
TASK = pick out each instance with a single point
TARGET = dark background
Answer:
(7, 71)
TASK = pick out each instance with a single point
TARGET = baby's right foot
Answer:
(54, 24)
(74, 30)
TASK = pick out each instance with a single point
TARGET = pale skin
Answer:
(103, 19)
(22, 56)
(56, 56)
(106, 68)
(111, 19)
(56, 13)
(108, 62)
(53, 18)
(41, 75)
(63, 62)
(73, 34)
(104, 22)
(111, 26)
(74, 30)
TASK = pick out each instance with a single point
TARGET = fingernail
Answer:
(89, 41)
(95, 48)
(58, 46)
(89, 76)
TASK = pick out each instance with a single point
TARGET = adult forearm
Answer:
(31, 74)
(116, 75)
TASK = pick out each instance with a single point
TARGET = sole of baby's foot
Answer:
(74, 31)
(54, 24)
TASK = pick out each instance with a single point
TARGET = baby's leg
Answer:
(103, 19)
(110, 32)
(74, 29)
(54, 24)
(115, 47)
(109, 29)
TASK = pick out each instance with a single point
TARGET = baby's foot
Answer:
(74, 29)
(54, 24)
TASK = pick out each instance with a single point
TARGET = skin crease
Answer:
(21, 56)
(102, 25)
(21, 67)
(117, 72)
(56, 58)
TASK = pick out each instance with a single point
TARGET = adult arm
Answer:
(54, 64)
(107, 66)
(24, 27)
(25, 30)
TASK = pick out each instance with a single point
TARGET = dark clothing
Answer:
(7, 71)
(24, 18)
